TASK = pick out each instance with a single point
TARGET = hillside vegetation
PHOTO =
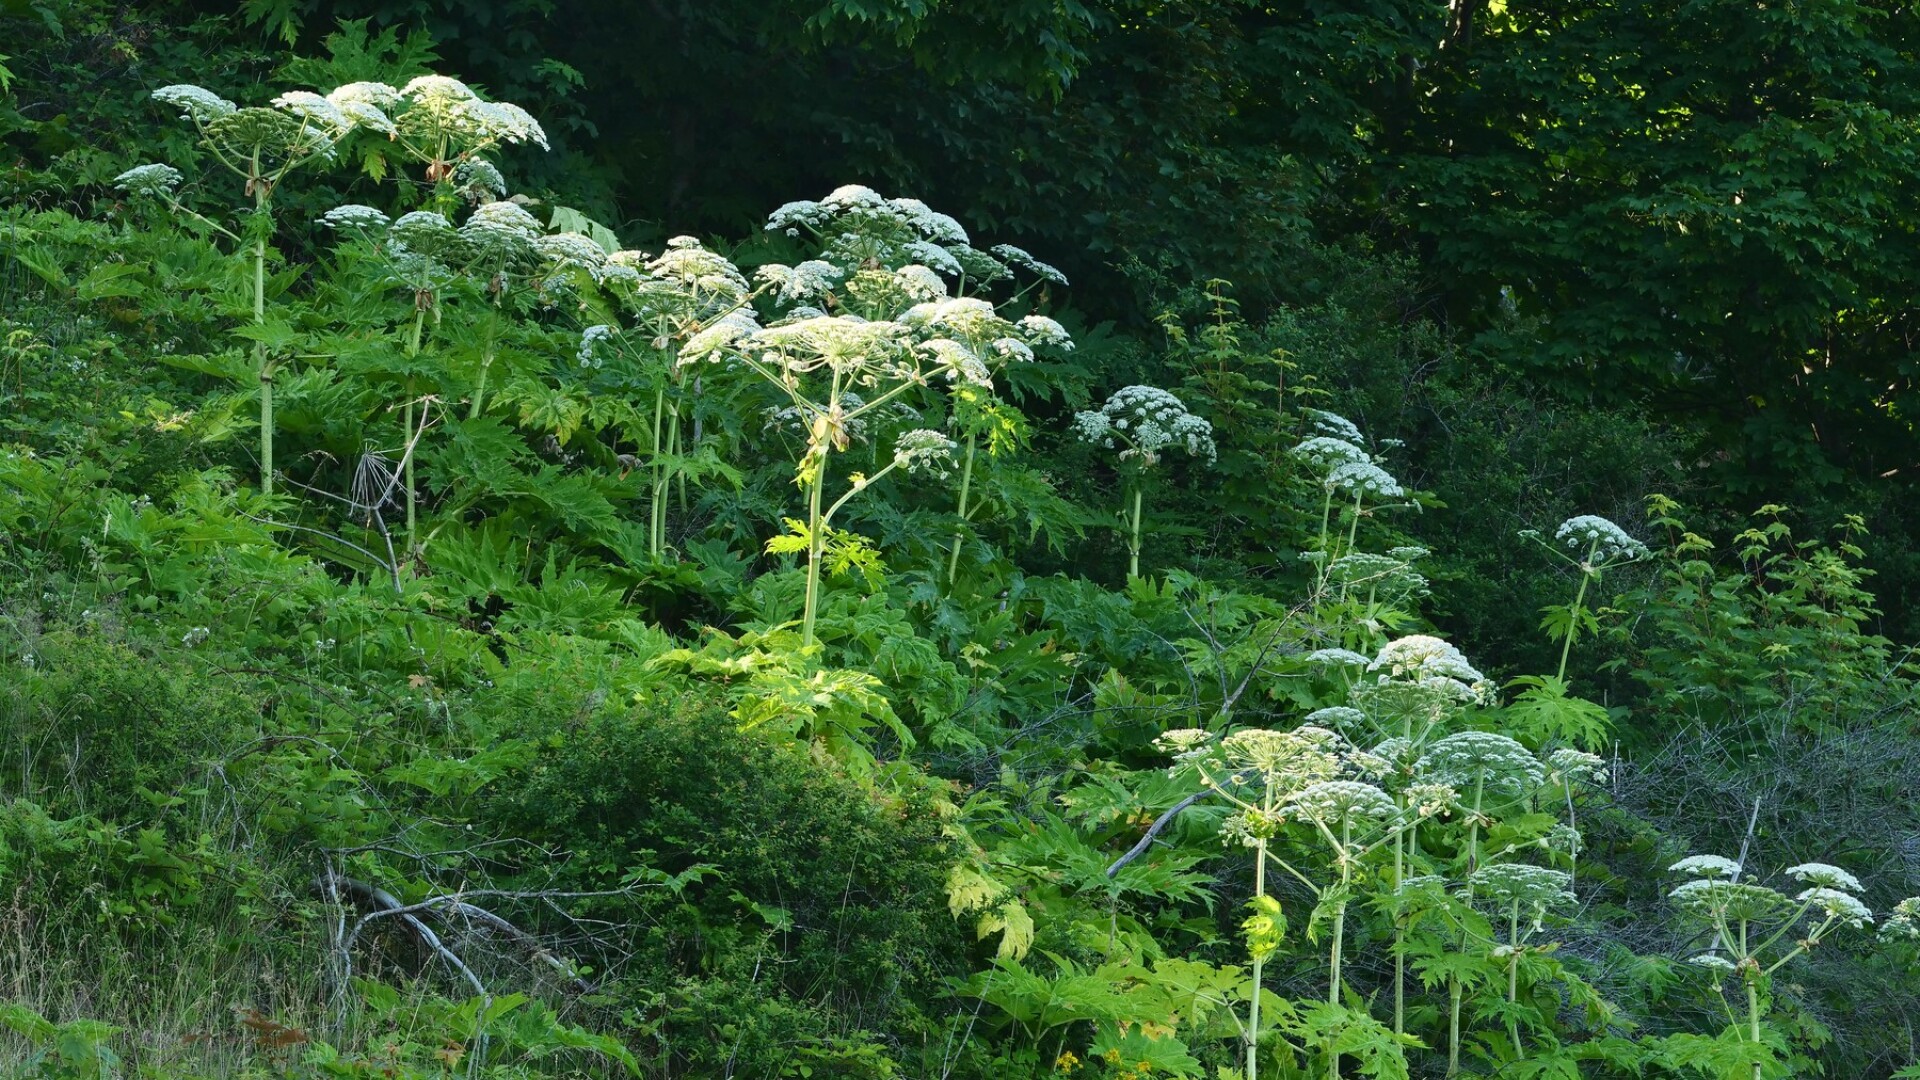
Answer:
(866, 539)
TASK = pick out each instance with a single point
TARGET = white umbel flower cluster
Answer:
(195, 103)
(326, 115)
(1838, 906)
(924, 451)
(1824, 876)
(154, 180)
(1470, 760)
(1330, 452)
(1707, 866)
(1420, 656)
(1903, 922)
(1141, 422)
(809, 280)
(355, 218)
(590, 341)
(1608, 542)
(1364, 478)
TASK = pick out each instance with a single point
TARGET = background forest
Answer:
(898, 539)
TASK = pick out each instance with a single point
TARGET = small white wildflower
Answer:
(195, 636)
(152, 180)
(1715, 963)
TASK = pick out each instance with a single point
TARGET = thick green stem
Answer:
(486, 361)
(261, 365)
(657, 508)
(413, 350)
(1259, 961)
(1133, 545)
(1339, 942)
(966, 487)
(814, 544)
(1453, 984)
(1513, 975)
(1353, 528)
(1753, 1017)
(1399, 936)
(1573, 615)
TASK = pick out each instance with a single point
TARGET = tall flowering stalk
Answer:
(422, 255)
(859, 229)
(1308, 778)
(261, 145)
(1406, 695)
(1748, 922)
(1344, 469)
(685, 293)
(1482, 766)
(868, 321)
(1143, 423)
(1592, 545)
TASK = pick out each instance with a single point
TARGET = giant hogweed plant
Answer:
(1751, 931)
(855, 229)
(857, 332)
(1142, 424)
(261, 146)
(1309, 779)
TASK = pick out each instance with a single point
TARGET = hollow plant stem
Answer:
(1259, 962)
(656, 508)
(1133, 545)
(966, 488)
(261, 365)
(1573, 615)
(413, 350)
(1513, 974)
(814, 546)
(1454, 986)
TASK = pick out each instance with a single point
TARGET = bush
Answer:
(822, 915)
